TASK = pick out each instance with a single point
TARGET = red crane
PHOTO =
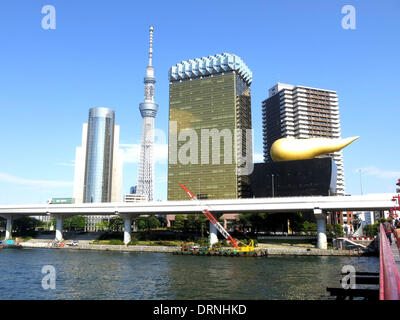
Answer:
(214, 221)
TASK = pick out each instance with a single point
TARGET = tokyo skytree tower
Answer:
(148, 110)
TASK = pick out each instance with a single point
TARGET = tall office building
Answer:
(148, 110)
(98, 162)
(209, 100)
(302, 112)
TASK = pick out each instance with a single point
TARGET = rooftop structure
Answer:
(206, 66)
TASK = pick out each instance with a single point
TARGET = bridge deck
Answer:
(389, 256)
(396, 254)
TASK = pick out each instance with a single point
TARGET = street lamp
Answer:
(273, 186)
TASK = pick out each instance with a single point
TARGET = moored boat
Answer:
(10, 244)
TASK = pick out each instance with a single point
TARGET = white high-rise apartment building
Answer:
(302, 112)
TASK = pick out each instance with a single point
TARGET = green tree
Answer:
(48, 224)
(329, 230)
(334, 230)
(26, 224)
(296, 221)
(142, 224)
(74, 223)
(309, 227)
(371, 230)
(103, 225)
(201, 224)
(179, 224)
(116, 224)
(153, 222)
(338, 230)
(191, 224)
(245, 221)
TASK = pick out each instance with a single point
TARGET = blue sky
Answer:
(97, 56)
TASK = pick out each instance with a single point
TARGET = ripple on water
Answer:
(117, 275)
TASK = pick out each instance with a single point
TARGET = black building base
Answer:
(312, 177)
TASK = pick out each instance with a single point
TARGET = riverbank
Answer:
(270, 250)
(101, 247)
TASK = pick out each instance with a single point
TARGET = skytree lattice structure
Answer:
(148, 110)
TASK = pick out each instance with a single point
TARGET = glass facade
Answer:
(99, 155)
(216, 102)
(311, 177)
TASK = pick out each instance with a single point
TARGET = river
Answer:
(129, 275)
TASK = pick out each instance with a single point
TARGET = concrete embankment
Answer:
(272, 251)
(101, 247)
(309, 252)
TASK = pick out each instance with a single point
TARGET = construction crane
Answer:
(219, 227)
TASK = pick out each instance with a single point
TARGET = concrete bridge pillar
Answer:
(59, 228)
(320, 216)
(127, 229)
(8, 228)
(213, 234)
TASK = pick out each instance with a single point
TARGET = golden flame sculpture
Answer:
(288, 149)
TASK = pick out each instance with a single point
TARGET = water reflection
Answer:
(116, 275)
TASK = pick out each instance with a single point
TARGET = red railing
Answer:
(389, 282)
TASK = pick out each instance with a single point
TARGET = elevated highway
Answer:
(319, 205)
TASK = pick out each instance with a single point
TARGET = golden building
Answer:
(209, 103)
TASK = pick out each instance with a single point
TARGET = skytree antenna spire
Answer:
(148, 110)
(151, 29)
